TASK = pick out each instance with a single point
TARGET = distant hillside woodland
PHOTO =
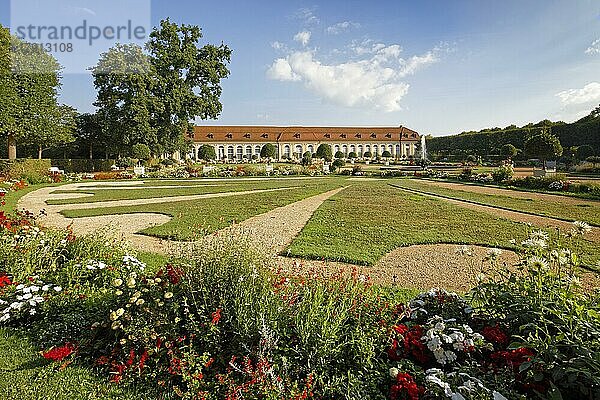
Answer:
(488, 142)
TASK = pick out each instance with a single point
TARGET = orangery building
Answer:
(236, 143)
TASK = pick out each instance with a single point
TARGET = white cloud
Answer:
(588, 94)
(594, 48)
(307, 16)
(281, 70)
(302, 37)
(341, 27)
(278, 45)
(374, 81)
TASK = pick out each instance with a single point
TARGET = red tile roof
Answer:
(302, 134)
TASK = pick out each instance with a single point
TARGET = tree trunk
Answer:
(12, 147)
(91, 152)
(39, 152)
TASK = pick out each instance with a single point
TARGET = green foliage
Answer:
(368, 154)
(508, 150)
(89, 133)
(207, 152)
(548, 313)
(29, 81)
(33, 171)
(187, 79)
(352, 155)
(584, 151)
(543, 146)
(386, 154)
(339, 154)
(140, 151)
(503, 173)
(324, 151)
(337, 164)
(268, 151)
(306, 158)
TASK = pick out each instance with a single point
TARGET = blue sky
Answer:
(438, 67)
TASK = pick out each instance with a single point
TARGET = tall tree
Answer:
(29, 81)
(543, 146)
(268, 151)
(188, 79)
(89, 133)
(124, 78)
(324, 151)
(55, 128)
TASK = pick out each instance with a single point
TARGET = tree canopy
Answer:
(268, 151)
(207, 152)
(544, 146)
(324, 151)
(152, 95)
(29, 83)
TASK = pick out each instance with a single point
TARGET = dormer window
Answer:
(297, 135)
(190, 135)
(210, 136)
(373, 136)
(343, 136)
(247, 135)
(229, 136)
(358, 135)
(328, 136)
(388, 135)
(265, 135)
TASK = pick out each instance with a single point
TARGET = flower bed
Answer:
(221, 323)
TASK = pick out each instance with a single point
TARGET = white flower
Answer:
(464, 250)
(131, 282)
(4, 317)
(537, 262)
(539, 235)
(493, 253)
(57, 288)
(581, 228)
(394, 372)
(117, 282)
(535, 243)
(139, 302)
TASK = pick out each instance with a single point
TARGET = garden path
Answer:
(536, 220)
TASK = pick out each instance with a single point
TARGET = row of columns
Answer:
(240, 151)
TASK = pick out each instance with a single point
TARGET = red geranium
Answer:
(409, 345)
(405, 387)
(59, 353)
(513, 358)
(5, 281)
(216, 316)
(494, 334)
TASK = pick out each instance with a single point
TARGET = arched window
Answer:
(336, 148)
(298, 150)
(257, 150)
(375, 150)
(397, 150)
(230, 153)
(249, 152)
(310, 149)
(240, 152)
(352, 148)
(360, 150)
(221, 152)
(345, 150)
(287, 151)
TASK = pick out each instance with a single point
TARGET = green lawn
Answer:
(184, 189)
(194, 217)
(367, 220)
(562, 207)
(25, 375)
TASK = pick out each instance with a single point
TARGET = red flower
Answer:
(405, 387)
(513, 358)
(400, 329)
(143, 359)
(216, 316)
(174, 274)
(5, 281)
(59, 353)
(494, 334)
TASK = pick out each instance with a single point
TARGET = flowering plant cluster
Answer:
(23, 303)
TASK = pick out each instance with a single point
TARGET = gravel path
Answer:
(539, 221)
(506, 192)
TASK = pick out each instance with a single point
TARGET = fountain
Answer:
(423, 151)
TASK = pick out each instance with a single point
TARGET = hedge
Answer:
(83, 165)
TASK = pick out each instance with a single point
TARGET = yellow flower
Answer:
(117, 282)
(131, 282)
(139, 302)
(168, 295)
(119, 292)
